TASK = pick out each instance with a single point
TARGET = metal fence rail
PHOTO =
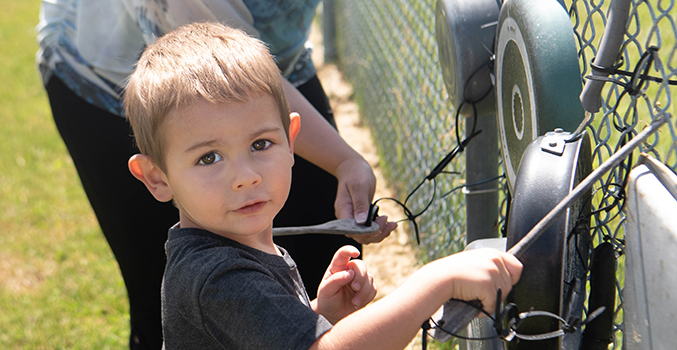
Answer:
(388, 51)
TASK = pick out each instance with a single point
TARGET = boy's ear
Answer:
(143, 168)
(294, 128)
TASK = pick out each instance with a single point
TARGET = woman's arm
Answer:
(319, 143)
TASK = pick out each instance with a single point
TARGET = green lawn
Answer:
(60, 287)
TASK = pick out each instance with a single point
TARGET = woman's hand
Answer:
(356, 188)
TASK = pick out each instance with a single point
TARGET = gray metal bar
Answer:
(607, 53)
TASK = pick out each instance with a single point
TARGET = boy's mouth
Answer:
(251, 208)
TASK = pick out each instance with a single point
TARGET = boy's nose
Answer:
(246, 176)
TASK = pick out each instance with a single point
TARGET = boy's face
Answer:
(228, 167)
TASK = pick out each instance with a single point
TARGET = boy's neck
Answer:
(263, 241)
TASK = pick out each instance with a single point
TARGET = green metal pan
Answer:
(537, 76)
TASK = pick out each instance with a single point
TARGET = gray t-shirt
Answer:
(220, 294)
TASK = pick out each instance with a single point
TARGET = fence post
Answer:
(329, 30)
(481, 163)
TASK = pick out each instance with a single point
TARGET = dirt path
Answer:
(392, 260)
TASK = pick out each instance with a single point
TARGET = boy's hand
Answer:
(355, 192)
(478, 274)
(345, 287)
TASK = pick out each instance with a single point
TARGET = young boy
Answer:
(209, 114)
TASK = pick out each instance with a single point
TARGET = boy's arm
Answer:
(392, 322)
(320, 144)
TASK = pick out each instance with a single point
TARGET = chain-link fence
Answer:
(389, 52)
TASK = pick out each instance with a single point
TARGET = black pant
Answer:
(135, 224)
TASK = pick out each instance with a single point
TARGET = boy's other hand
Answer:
(345, 287)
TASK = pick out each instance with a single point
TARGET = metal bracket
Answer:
(554, 142)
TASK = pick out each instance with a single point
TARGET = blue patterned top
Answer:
(92, 46)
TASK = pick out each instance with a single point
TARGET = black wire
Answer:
(647, 58)
(480, 309)
(424, 337)
(409, 216)
(460, 145)
(439, 168)
(473, 184)
(436, 326)
(516, 320)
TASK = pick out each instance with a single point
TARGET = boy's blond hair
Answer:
(200, 60)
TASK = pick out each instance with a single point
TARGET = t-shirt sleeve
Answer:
(249, 309)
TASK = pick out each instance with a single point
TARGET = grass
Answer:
(60, 287)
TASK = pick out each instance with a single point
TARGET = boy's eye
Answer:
(259, 145)
(209, 158)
